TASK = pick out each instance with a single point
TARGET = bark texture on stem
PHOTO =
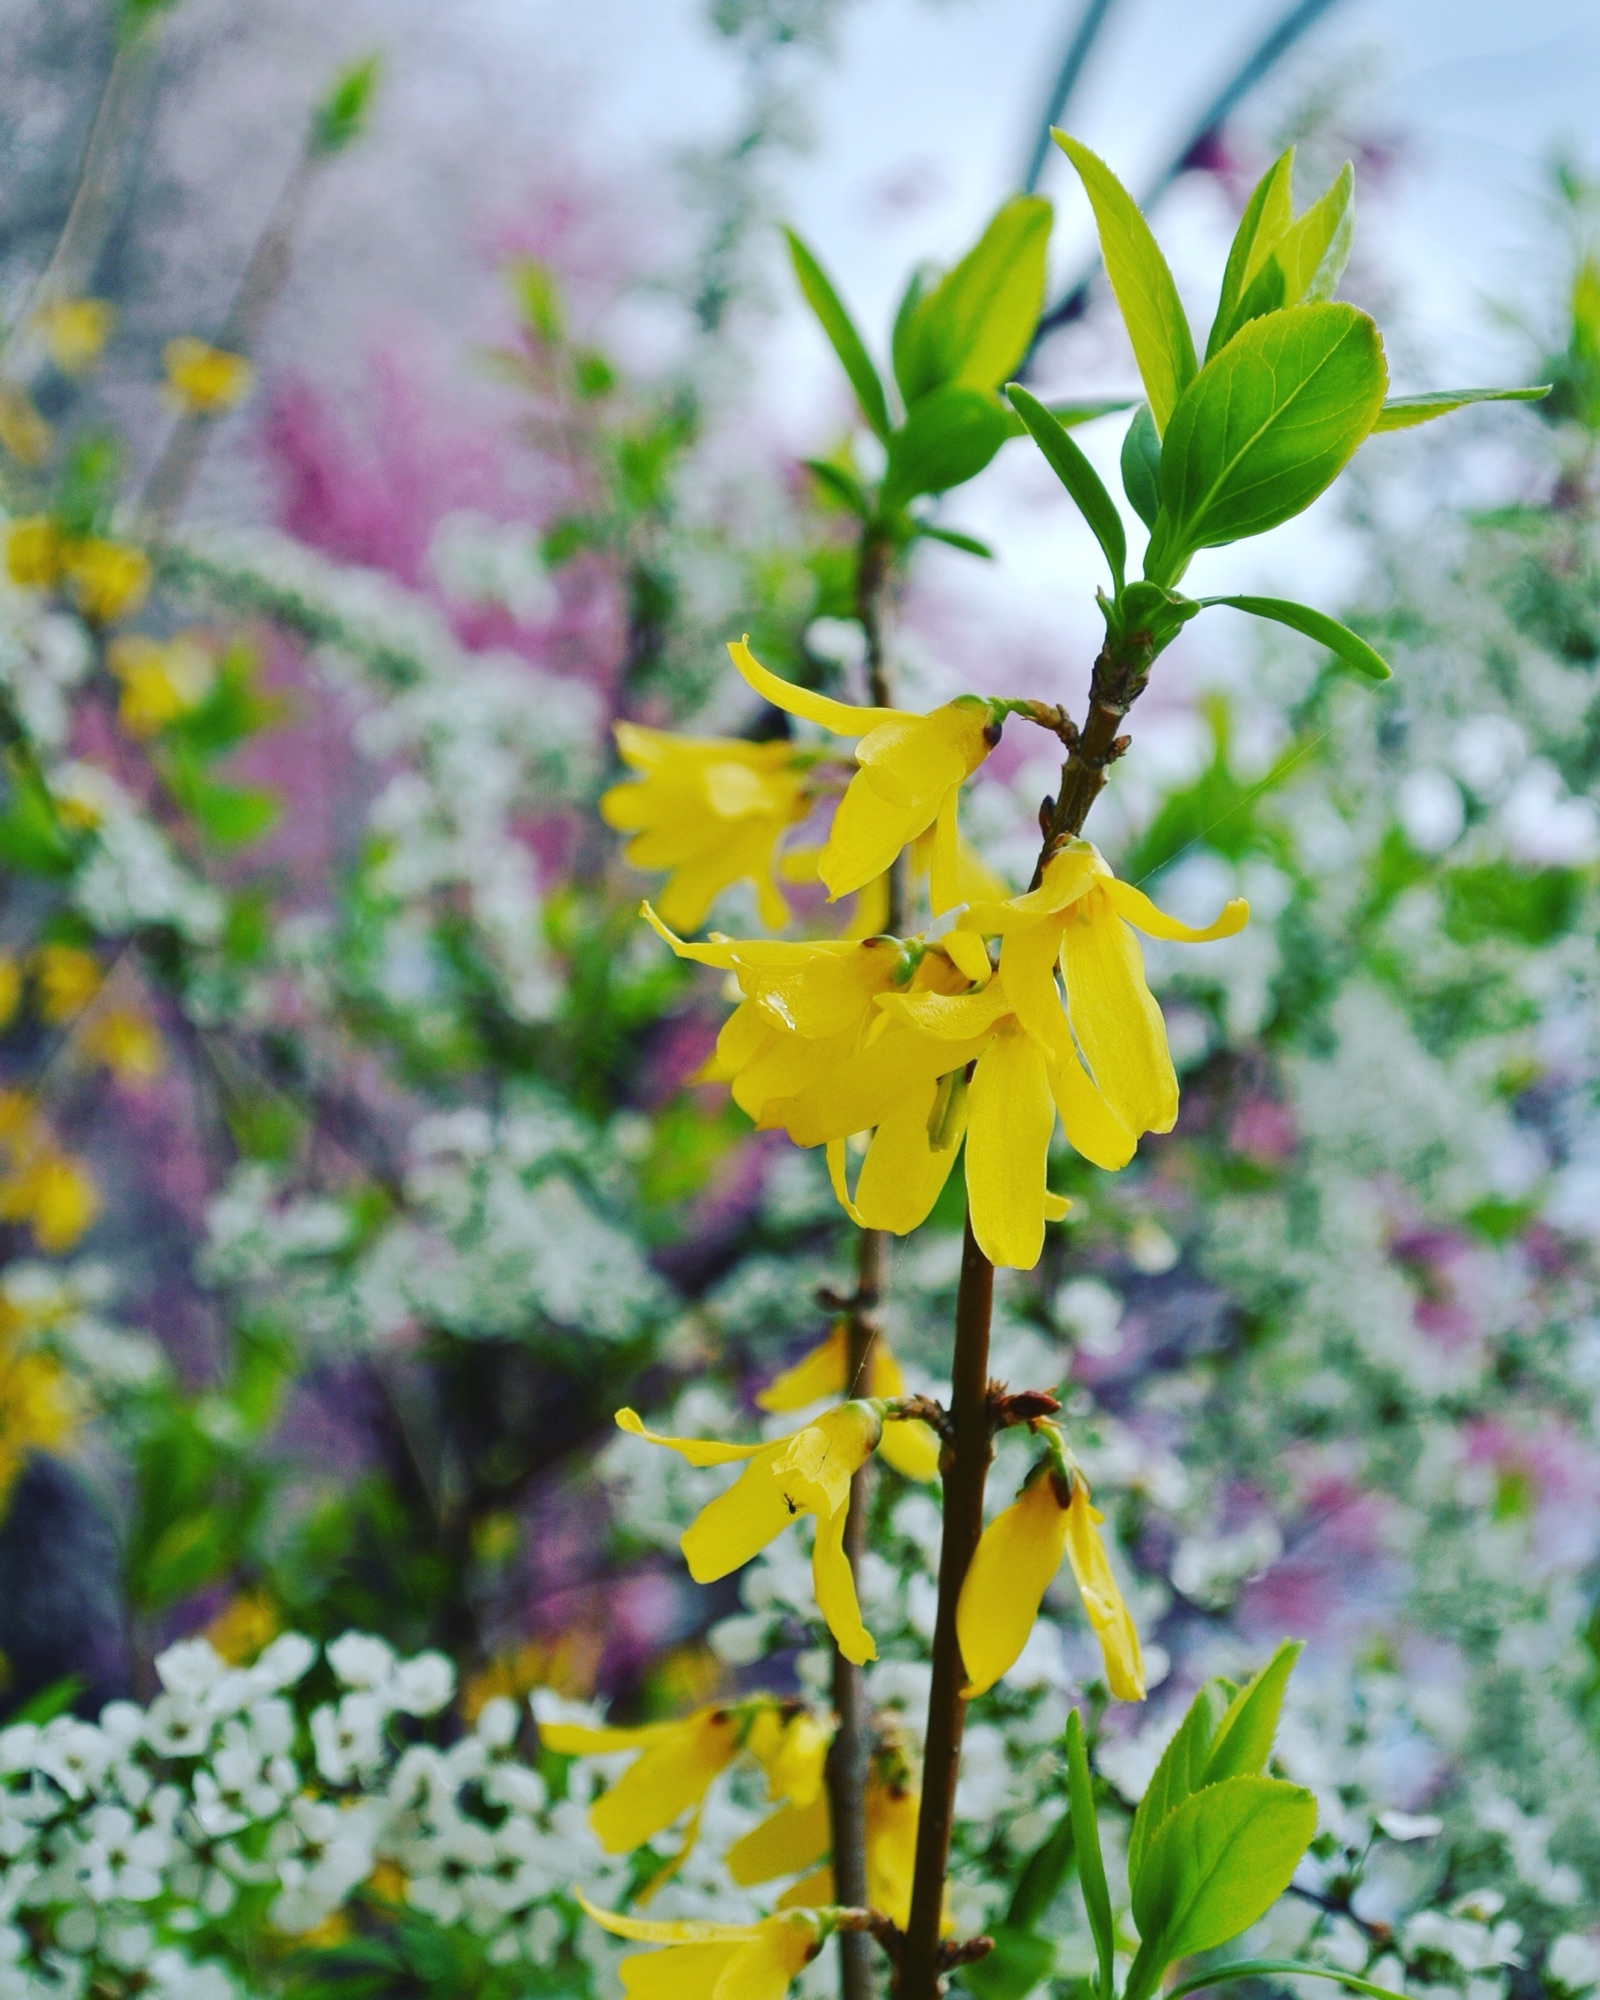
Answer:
(1121, 673)
(965, 1471)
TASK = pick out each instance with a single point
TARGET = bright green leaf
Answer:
(1041, 1877)
(1091, 1864)
(1267, 214)
(1180, 1770)
(1272, 1968)
(1307, 262)
(340, 118)
(953, 538)
(1217, 1864)
(1141, 465)
(975, 325)
(1264, 427)
(902, 341)
(1077, 475)
(948, 438)
(1019, 1962)
(1403, 413)
(1243, 1740)
(1354, 651)
(837, 324)
(1151, 309)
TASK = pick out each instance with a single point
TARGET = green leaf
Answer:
(949, 436)
(842, 485)
(837, 324)
(1267, 214)
(1307, 262)
(1243, 1739)
(1179, 1772)
(1266, 1968)
(902, 341)
(1404, 413)
(955, 539)
(1339, 639)
(1151, 309)
(1148, 608)
(1070, 415)
(1019, 1962)
(976, 324)
(1041, 1877)
(1264, 427)
(32, 837)
(1218, 1863)
(1078, 476)
(1091, 1865)
(342, 115)
(1141, 465)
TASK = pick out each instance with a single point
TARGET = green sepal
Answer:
(1141, 465)
(1146, 295)
(1078, 476)
(948, 437)
(1404, 413)
(1339, 639)
(975, 325)
(1091, 1864)
(837, 324)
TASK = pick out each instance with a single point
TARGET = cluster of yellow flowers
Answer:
(106, 580)
(36, 1411)
(40, 1185)
(160, 679)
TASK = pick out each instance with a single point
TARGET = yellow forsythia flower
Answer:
(128, 1044)
(35, 1411)
(110, 580)
(797, 1837)
(806, 1473)
(909, 1445)
(74, 332)
(33, 552)
(53, 1195)
(204, 380)
(714, 1961)
(1013, 1565)
(244, 1626)
(67, 980)
(10, 987)
(23, 432)
(709, 809)
(912, 771)
(161, 679)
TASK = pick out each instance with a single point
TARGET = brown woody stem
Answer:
(1120, 676)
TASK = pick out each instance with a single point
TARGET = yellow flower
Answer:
(808, 1472)
(912, 771)
(53, 1195)
(1081, 921)
(109, 579)
(714, 1961)
(709, 809)
(203, 380)
(10, 987)
(128, 1044)
(23, 432)
(799, 1837)
(35, 1411)
(67, 979)
(1012, 1567)
(244, 1626)
(161, 679)
(74, 332)
(33, 552)
(909, 1444)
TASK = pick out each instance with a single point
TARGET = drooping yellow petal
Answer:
(1102, 1599)
(1020, 1551)
(1068, 875)
(581, 1739)
(911, 1447)
(1092, 1127)
(1136, 908)
(698, 1451)
(912, 770)
(792, 1839)
(1010, 1117)
(835, 1589)
(857, 1092)
(834, 1153)
(966, 952)
(891, 1816)
(664, 1930)
(792, 1749)
(738, 1524)
(672, 1774)
(1115, 1017)
(818, 1463)
(816, 1374)
(683, 1972)
(907, 1165)
(944, 864)
(867, 835)
(764, 1968)
(840, 716)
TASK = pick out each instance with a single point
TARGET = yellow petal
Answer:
(944, 864)
(839, 716)
(966, 953)
(578, 1739)
(698, 1451)
(870, 917)
(834, 1154)
(1068, 875)
(1102, 1600)
(670, 1776)
(858, 1091)
(663, 1930)
(883, 1371)
(1091, 1126)
(867, 835)
(891, 1816)
(811, 1892)
(1136, 908)
(789, 1841)
(815, 1375)
(816, 1465)
(1115, 1018)
(765, 1968)
(1020, 1551)
(1028, 975)
(1010, 1117)
(739, 1523)
(904, 1171)
(950, 1017)
(835, 1588)
(719, 952)
(1056, 1208)
(792, 1750)
(917, 758)
(673, 1864)
(686, 1972)
(911, 1447)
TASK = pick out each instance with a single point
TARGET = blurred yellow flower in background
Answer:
(23, 432)
(109, 579)
(10, 987)
(39, 1184)
(203, 380)
(711, 811)
(33, 552)
(797, 1837)
(36, 1407)
(74, 332)
(127, 1043)
(66, 980)
(161, 679)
